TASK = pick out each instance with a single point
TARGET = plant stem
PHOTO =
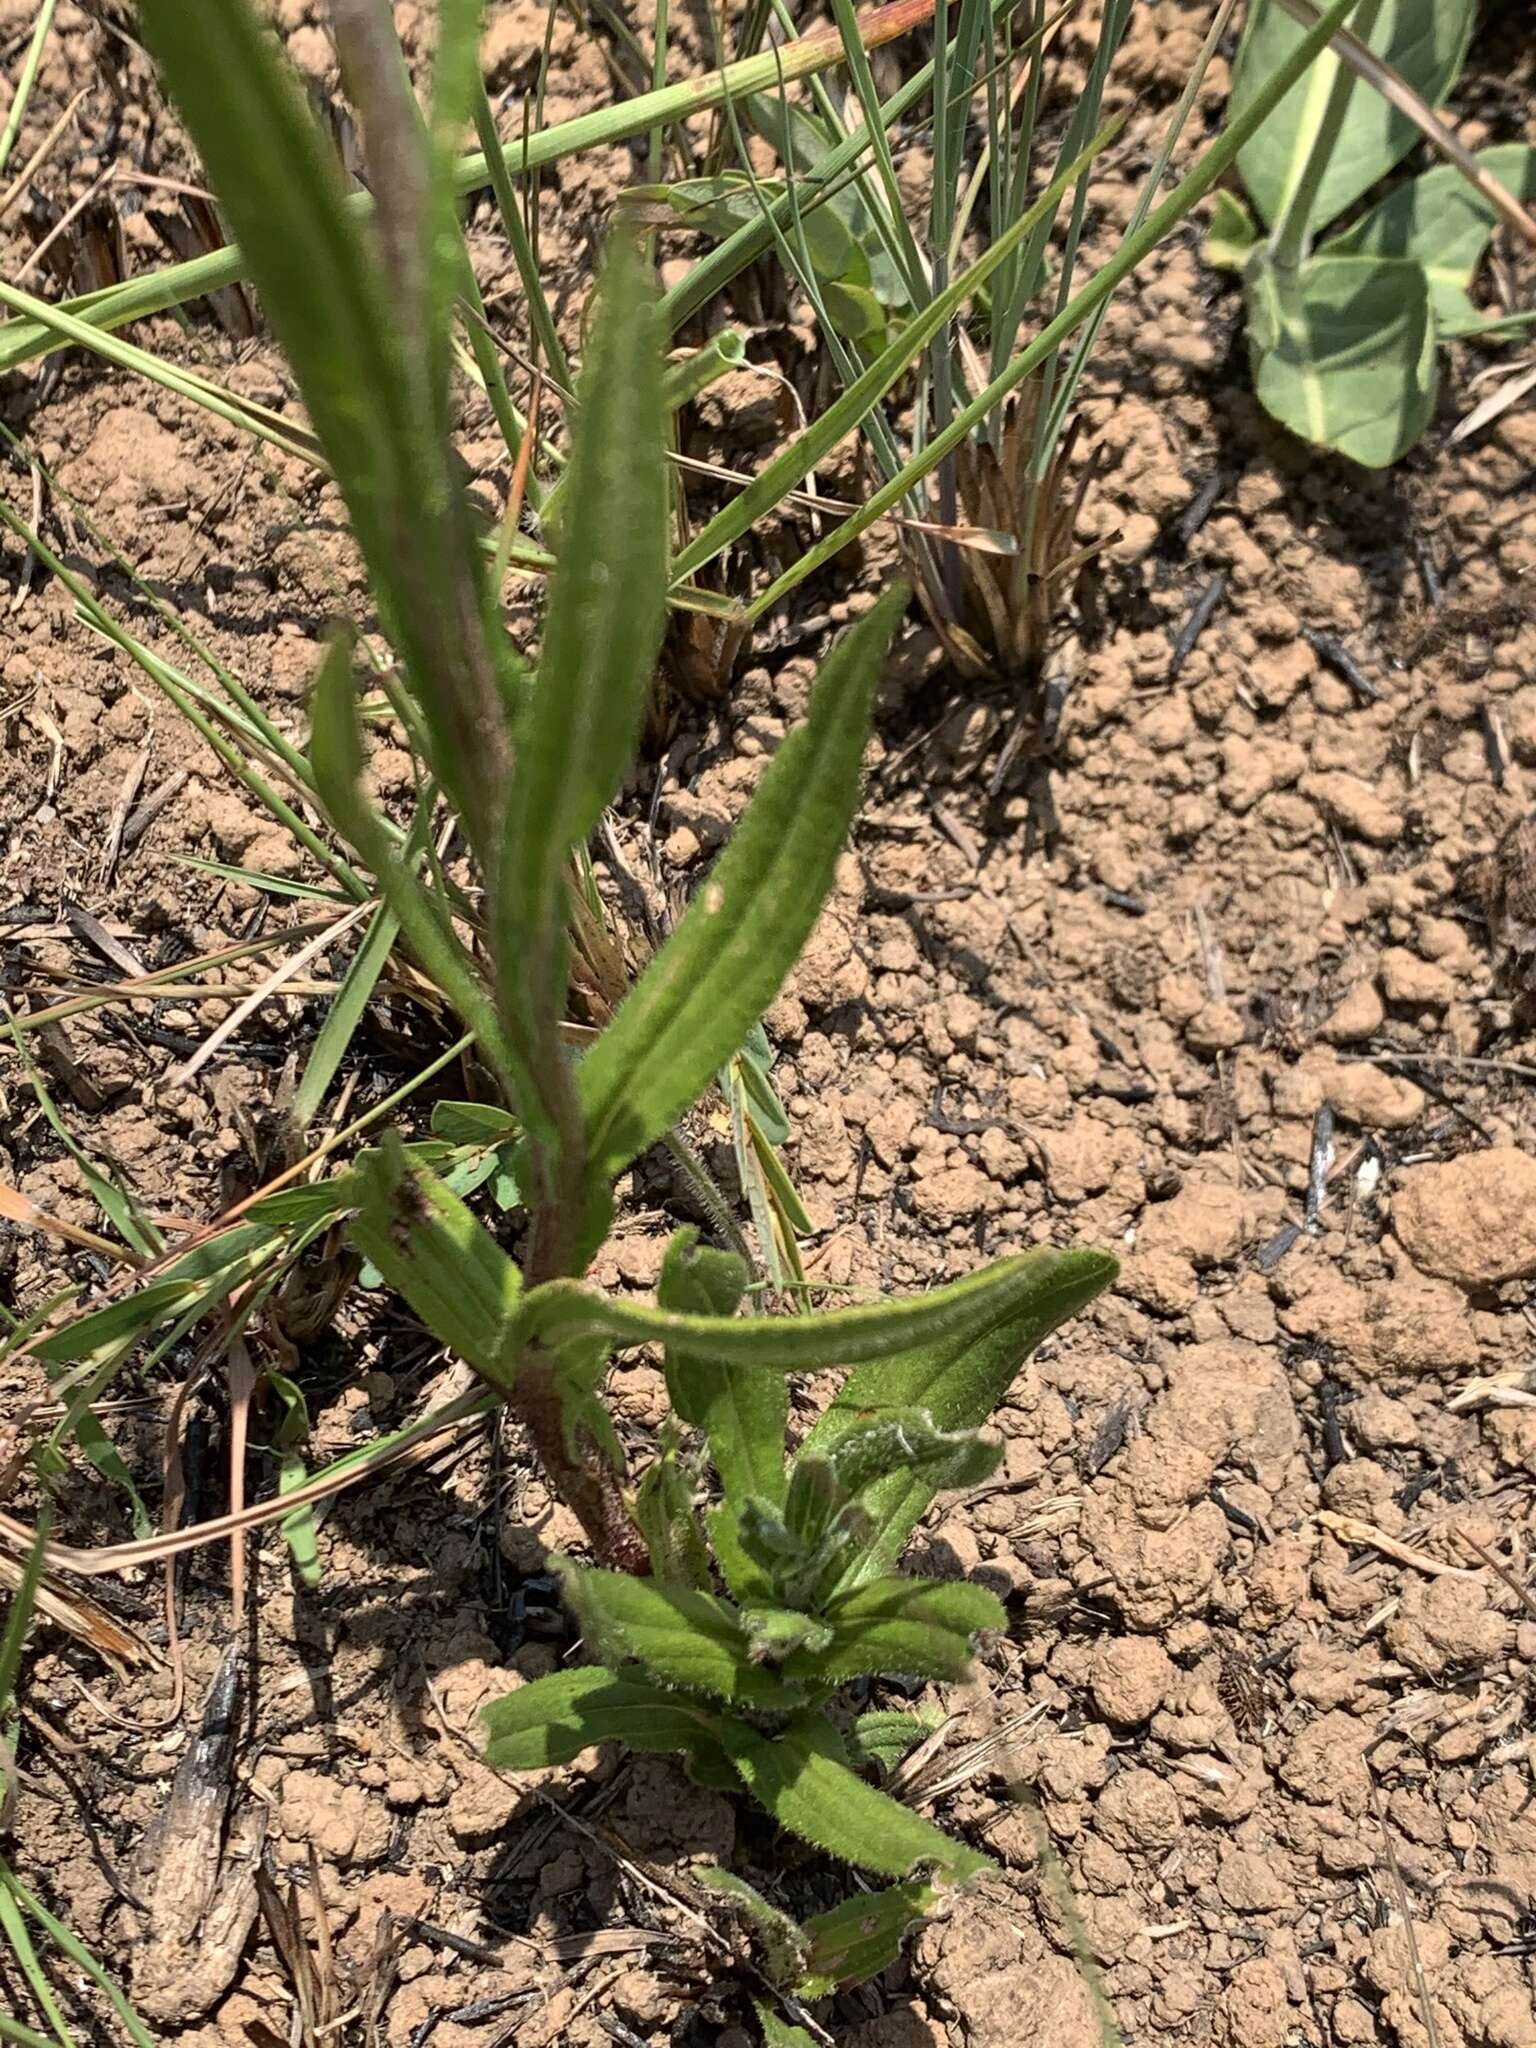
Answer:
(1291, 241)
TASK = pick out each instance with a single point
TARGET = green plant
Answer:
(527, 759)
(1344, 335)
(523, 760)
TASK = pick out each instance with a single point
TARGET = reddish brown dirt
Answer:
(1267, 1692)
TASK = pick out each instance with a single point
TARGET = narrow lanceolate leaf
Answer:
(958, 1381)
(358, 353)
(682, 1638)
(802, 1779)
(1031, 1292)
(722, 967)
(743, 1412)
(1425, 40)
(576, 734)
(556, 1718)
(906, 1626)
(436, 1253)
(862, 1936)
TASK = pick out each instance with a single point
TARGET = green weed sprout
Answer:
(725, 1633)
(1344, 336)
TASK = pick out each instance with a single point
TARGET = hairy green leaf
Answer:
(779, 2033)
(353, 335)
(682, 1638)
(577, 730)
(776, 1633)
(554, 1719)
(435, 1252)
(802, 1778)
(911, 1626)
(1031, 1292)
(906, 1440)
(884, 1737)
(1423, 39)
(741, 1410)
(1343, 351)
(958, 1380)
(862, 1936)
(779, 1945)
(666, 1518)
(1443, 222)
(712, 980)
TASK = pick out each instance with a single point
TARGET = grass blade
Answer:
(848, 411)
(179, 282)
(1187, 194)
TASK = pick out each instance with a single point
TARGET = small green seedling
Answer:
(1344, 337)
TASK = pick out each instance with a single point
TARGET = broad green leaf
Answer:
(742, 1411)
(580, 721)
(1343, 351)
(554, 1719)
(802, 1778)
(1032, 1291)
(437, 1254)
(855, 312)
(682, 1638)
(840, 233)
(958, 1381)
(363, 366)
(710, 983)
(884, 1737)
(1442, 221)
(1425, 40)
(779, 1944)
(473, 1123)
(914, 1627)
(1232, 233)
(862, 1936)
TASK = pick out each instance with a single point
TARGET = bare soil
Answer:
(1262, 1720)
